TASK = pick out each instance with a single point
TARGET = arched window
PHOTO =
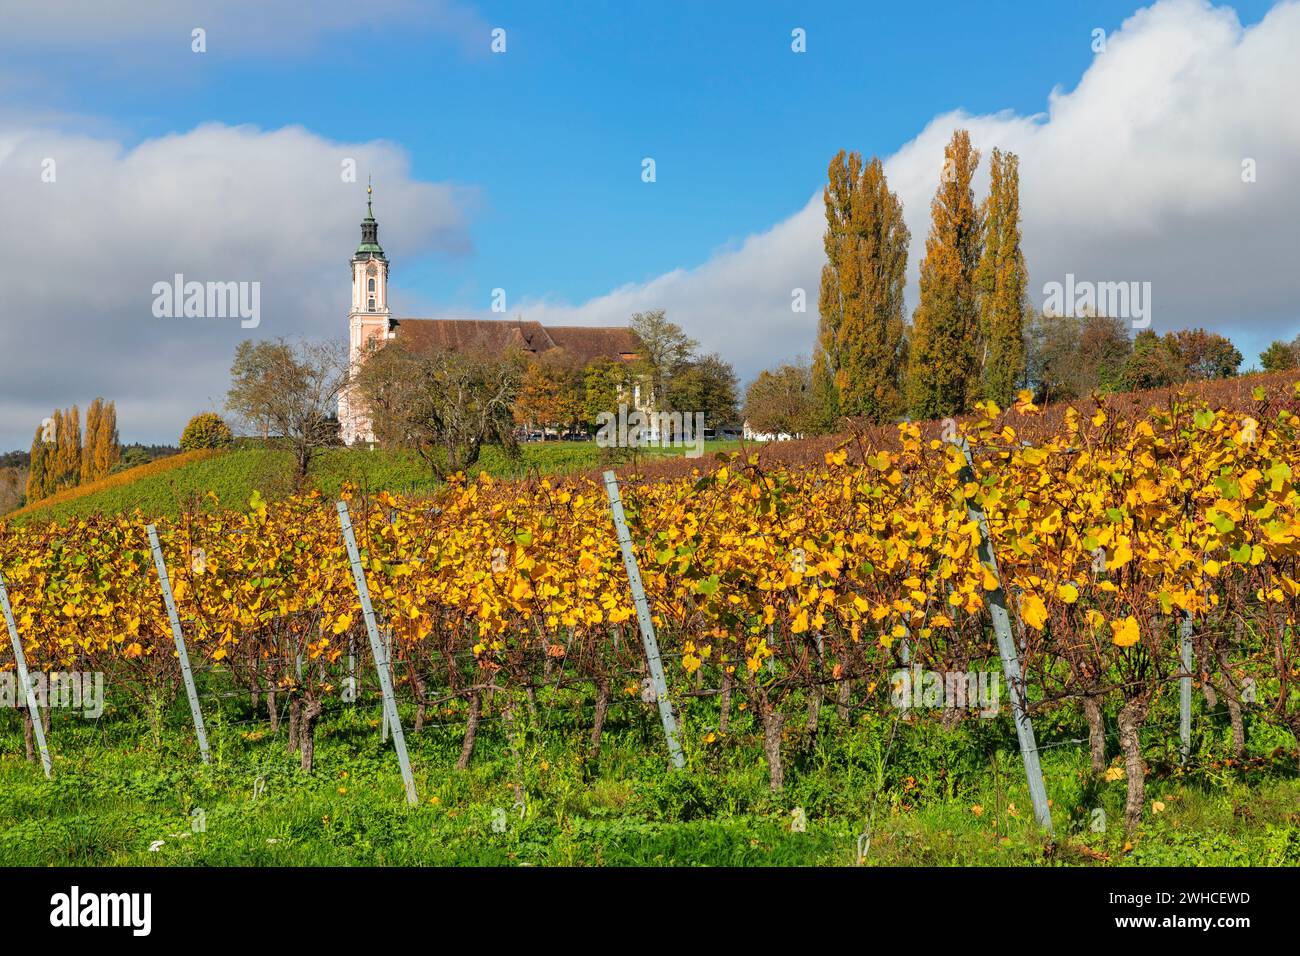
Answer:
(372, 304)
(372, 284)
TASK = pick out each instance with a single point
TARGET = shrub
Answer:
(206, 430)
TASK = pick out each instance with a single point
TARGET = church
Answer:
(371, 324)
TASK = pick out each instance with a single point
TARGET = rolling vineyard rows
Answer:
(782, 588)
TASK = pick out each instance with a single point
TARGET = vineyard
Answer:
(795, 594)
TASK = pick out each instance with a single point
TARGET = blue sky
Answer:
(553, 132)
(522, 170)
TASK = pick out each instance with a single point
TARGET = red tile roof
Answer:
(582, 343)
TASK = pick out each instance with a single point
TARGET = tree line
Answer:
(557, 393)
(973, 334)
(447, 405)
(62, 458)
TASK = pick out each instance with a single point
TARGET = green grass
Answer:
(234, 475)
(118, 789)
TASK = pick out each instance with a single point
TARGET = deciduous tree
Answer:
(549, 395)
(780, 401)
(1154, 363)
(37, 478)
(93, 414)
(445, 405)
(605, 383)
(1205, 355)
(107, 446)
(1002, 283)
(1279, 357)
(290, 391)
(944, 346)
(859, 355)
(205, 430)
(665, 350)
(708, 385)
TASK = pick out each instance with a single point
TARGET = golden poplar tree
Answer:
(54, 457)
(943, 375)
(37, 474)
(108, 449)
(1003, 283)
(838, 285)
(857, 366)
(93, 414)
(70, 449)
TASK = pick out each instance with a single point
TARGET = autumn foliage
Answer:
(782, 585)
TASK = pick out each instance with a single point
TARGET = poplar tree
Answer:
(1002, 282)
(838, 284)
(54, 456)
(107, 446)
(70, 449)
(944, 358)
(859, 356)
(36, 474)
(93, 414)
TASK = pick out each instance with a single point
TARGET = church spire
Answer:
(370, 248)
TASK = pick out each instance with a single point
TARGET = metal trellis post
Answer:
(377, 648)
(997, 602)
(1185, 689)
(184, 657)
(386, 635)
(24, 682)
(644, 619)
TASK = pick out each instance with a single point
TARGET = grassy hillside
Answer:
(158, 486)
(164, 486)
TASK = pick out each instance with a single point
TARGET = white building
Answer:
(371, 324)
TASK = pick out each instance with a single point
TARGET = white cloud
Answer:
(218, 203)
(1133, 175)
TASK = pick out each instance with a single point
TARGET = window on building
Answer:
(372, 304)
(372, 284)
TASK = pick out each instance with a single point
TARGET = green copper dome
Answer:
(370, 231)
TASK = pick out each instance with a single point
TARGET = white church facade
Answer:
(371, 324)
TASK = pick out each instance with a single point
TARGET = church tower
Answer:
(369, 321)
